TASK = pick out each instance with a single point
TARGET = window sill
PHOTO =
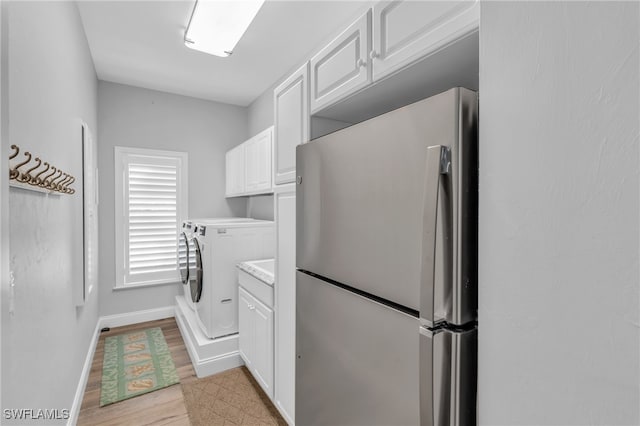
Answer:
(144, 285)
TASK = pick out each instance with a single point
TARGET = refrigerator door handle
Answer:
(438, 163)
(426, 378)
(448, 377)
(435, 392)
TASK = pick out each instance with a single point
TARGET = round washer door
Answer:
(183, 258)
(195, 273)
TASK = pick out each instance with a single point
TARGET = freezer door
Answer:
(363, 196)
(357, 360)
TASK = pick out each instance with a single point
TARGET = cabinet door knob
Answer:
(374, 54)
(361, 63)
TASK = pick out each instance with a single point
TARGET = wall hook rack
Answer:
(57, 181)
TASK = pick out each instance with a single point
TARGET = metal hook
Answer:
(15, 154)
(70, 190)
(63, 183)
(27, 175)
(59, 183)
(36, 180)
(20, 175)
(61, 178)
(45, 180)
(52, 184)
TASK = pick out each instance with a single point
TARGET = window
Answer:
(151, 202)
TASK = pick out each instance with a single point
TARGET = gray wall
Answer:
(261, 111)
(135, 117)
(260, 116)
(260, 207)
(52, 87)
(558, 297)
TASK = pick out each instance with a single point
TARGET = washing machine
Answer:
(189, 265)
(190, 260)
(220, 245)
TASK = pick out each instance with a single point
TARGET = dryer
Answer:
(220, 245)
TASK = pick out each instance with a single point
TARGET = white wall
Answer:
(559, 318)
(4, 169)
(142, 118)
(52, 87)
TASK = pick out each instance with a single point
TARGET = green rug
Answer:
(134, 364)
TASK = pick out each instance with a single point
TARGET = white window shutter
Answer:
(153, 206)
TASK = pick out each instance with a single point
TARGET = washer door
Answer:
(183, 258)
(195, 272)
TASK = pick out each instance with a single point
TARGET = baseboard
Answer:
(128, 318)
(84, 377)
(283, 413)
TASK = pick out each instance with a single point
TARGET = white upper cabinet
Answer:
(404, 31)
(258, 162)
(342, 67)
(387, 38)
(235, 171)
(249, 166)
(291, 110)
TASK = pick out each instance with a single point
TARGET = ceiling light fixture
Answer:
(216, 26)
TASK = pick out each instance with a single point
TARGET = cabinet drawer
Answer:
(262, 291)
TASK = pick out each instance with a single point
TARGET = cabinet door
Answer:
(342, 66)
(250, 164)
(405, 30)
(263, 355)
(246, 332)
(291, 118)
(235, 171)
(228, 173)
(285, 300)
(258, 162)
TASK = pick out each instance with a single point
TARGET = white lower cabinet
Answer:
(285, 300)
(255, 327)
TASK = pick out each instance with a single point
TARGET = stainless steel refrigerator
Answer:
(386, 286)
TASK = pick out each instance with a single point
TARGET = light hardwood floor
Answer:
(162, 407)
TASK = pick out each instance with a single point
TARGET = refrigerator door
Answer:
(363, 195)
(357, 360)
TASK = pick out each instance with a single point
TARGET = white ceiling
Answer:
(140, 43)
